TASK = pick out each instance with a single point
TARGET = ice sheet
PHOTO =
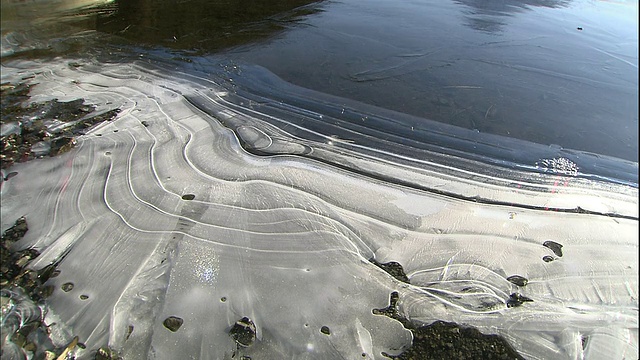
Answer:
(212, 200)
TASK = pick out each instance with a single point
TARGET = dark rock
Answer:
(243, 332)
(188, 197)
(105, 353)
(16, 147)
(129, 332)
(325, 330)
(392, 268)
(173, 323)
(516, 300)
(518, 280)
(61, 145)
(445, 340)
(66, 287)
(16, 232)
(392, 311)
(47, 272)
(554, 246)
(547, 258)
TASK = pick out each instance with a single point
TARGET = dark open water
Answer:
(560, 73)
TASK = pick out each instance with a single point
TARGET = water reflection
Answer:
(491, 15)
(203, 25)
(542, 80)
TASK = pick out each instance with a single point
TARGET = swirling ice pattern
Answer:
(285, 240)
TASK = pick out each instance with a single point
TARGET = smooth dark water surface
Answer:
(559, 73)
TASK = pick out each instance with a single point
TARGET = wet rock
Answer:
(44, 291)
(41, 129)
(105, 353)
(173, 323)
(17, 231)
(554, 246)
(518, 280)
(243, 332)
(66, 287)
(61, 145)
(22, 291)
(188, 197)
(325, 330)
(129, 332)
(47, 272)
(66, 111)
(13, 263)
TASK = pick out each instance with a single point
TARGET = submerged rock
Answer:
(41, 129)
(392, 268)
(518, 280)
(554, 246)
(243, 332)
(173, 323)
(516, 300)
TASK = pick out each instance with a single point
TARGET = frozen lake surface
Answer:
(255, 178)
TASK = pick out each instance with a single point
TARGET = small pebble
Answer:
(66, 287)
(173, 323)
(518, 280)
(554, 246)
(243, 332)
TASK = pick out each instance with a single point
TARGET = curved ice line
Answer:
(132, 191)
(336, 235)
(153, 207)
(229, 104)
(429, 163)
(62, 189)
(208, 241)
(440, 268)
(462, 294)
(479, 283)
(459, 307)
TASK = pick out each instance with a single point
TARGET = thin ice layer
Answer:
(163, 212)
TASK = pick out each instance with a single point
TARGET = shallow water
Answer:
(222, 192)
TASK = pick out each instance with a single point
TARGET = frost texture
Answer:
(285, 239)
(562, 166)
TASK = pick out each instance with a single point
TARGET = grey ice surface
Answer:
(284, 238)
